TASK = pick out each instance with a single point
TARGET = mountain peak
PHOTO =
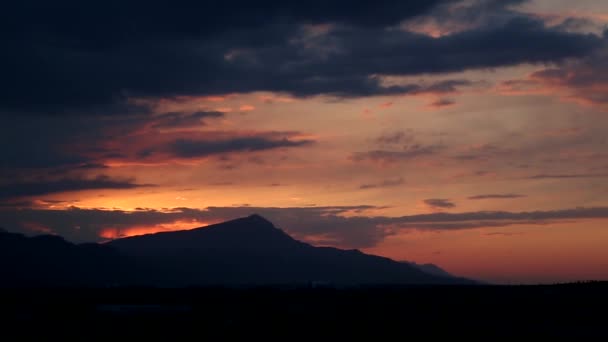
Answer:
(252, 226)
(258, 219)
(252, 232)
(253, 223)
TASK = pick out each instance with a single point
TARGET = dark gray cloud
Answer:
(72, 146)
(45, 187)
(387, 183)
(444, 87)
(116, 21)
(442, 103)
(72, 56)
(181, 119)
(396, 138)
(36, 142)
(313, 223)
(504, 234)
(408, 152)
(584, 80)
(89, 58)
(185, 148)
(487, 152)
(397, 146)
(496, 196)
(452, 15)
(439, 203)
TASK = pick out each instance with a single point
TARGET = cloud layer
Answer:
(335, 226)
(96, 61)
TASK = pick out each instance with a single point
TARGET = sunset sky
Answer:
(472, 134)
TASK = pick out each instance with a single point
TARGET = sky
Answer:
(466, 133)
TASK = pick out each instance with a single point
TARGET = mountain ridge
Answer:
(248, 251)
(430, 268)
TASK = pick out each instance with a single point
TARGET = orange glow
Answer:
(117, 233)
(246, 108)
(523, 253)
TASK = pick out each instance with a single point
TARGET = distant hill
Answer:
(248, 251)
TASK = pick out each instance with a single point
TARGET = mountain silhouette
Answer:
(430, 269)
(248, 251)
(49, 260)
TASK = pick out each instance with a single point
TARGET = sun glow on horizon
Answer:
(112, 233)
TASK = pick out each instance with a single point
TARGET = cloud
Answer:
(504, 234)
(77, 146)
(583, 80)
(88, 224)
(496, 196)
(439, 203)
(456, 16)
(408, 152)
(181, 119)
(486, 152)
(221, 183)
(573, 175)
(395, 138)
(440, 103)
(186, 148)
(343, 226)
(387, 183)
(395, 147)
(444, 87)
(99, 61)
(45, 187)
(197, 145)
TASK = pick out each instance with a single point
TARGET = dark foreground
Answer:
(562, 311)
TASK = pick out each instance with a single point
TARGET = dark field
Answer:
(559, 311)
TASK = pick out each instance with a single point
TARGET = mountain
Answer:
(243, 252)
(49, 260)
(430, 269)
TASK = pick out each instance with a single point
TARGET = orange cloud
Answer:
(246, 108)
(117, 233)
